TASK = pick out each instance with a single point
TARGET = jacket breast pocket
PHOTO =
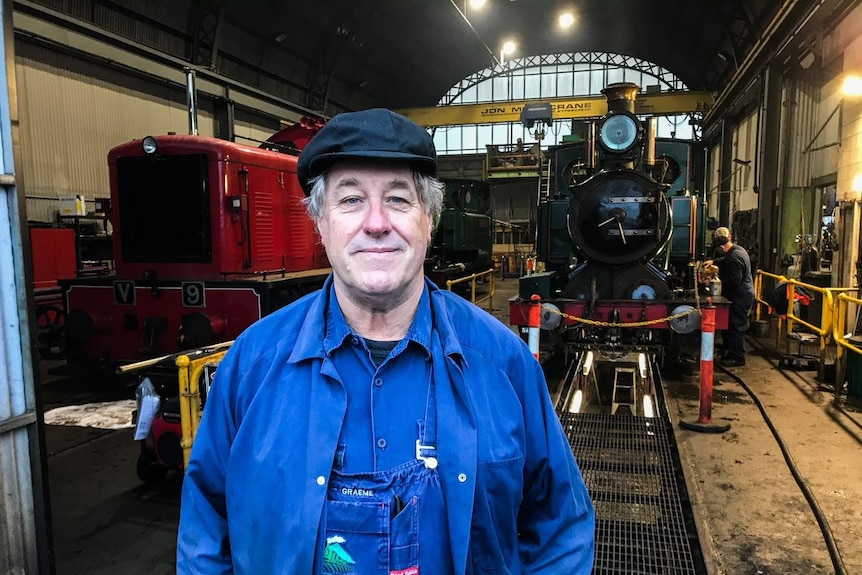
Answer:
(494, 530)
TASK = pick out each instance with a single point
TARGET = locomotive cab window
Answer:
(164, 208)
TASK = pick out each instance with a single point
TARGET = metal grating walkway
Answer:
(644, 523)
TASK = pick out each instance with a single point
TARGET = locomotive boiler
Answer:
(620, 239)
(209, 236)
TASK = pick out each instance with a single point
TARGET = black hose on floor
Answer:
(832, 547)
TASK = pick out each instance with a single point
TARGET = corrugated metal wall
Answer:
(713, 177)
(74, 111)
(740, 180)
(162, 27)
(742, 196)
(808, 154)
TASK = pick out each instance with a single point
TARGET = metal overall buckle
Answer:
(430, 461)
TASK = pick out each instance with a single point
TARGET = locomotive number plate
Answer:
(124, 292)
(194, 294)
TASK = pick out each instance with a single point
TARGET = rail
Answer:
(839, 332)
(191, 371)
(832, 317)
(492, 285)
(130, 367)
(760, 301)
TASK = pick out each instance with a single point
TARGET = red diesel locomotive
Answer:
(209, 236)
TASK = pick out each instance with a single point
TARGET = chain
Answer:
(643, 323)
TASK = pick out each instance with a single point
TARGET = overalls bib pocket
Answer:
(357, 537)
(405, 536)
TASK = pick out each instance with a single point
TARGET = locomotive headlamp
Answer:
(150, 145)
(619, 132)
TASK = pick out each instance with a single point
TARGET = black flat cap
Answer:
(377, 133)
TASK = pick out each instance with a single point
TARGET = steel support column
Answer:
(767, 167)
(725, 172)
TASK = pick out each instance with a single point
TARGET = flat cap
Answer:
(377, 133)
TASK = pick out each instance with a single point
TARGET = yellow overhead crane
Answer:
(652, 104)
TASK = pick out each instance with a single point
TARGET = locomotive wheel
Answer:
(49, 331)
(148, 468)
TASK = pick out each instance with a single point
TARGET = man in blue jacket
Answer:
(737, 285)
(380, 425)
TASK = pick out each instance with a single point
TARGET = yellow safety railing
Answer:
(760, 300)
(191, 370)
(473, 278)
(839, 332)
(831, 315)
(823, 331)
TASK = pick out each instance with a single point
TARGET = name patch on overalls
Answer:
(356, 492)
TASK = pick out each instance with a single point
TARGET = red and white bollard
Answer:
(707, 346)
(534, 324)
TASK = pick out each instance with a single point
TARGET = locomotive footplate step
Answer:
(644, 520)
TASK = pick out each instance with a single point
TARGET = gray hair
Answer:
(430, 195)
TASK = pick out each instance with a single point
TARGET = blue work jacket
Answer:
(254, 491)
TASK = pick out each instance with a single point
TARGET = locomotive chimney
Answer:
(621, 96)
(191, 99)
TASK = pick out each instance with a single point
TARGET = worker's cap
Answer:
(721, 234)
(374, 134)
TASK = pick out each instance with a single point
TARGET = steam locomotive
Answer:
(209, 236)
(620, 239)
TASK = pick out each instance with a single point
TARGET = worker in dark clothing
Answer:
(734, 271)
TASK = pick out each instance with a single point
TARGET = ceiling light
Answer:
(852, 86)
(477, 3)
(508, 48)
(566, 20)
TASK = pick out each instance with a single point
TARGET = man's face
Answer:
(374, 230)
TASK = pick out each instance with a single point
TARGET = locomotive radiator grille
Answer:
(644, 522)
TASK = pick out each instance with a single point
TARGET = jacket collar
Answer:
(312, 341)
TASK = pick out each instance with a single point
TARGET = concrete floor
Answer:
(752, 516)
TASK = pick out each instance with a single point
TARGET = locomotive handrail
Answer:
(491, 273)
(191, 408)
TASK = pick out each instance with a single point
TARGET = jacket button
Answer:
(321, 480)
(462, 477)
(381, 443)
(378, 382)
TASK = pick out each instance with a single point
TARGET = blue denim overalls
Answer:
(373, 522)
